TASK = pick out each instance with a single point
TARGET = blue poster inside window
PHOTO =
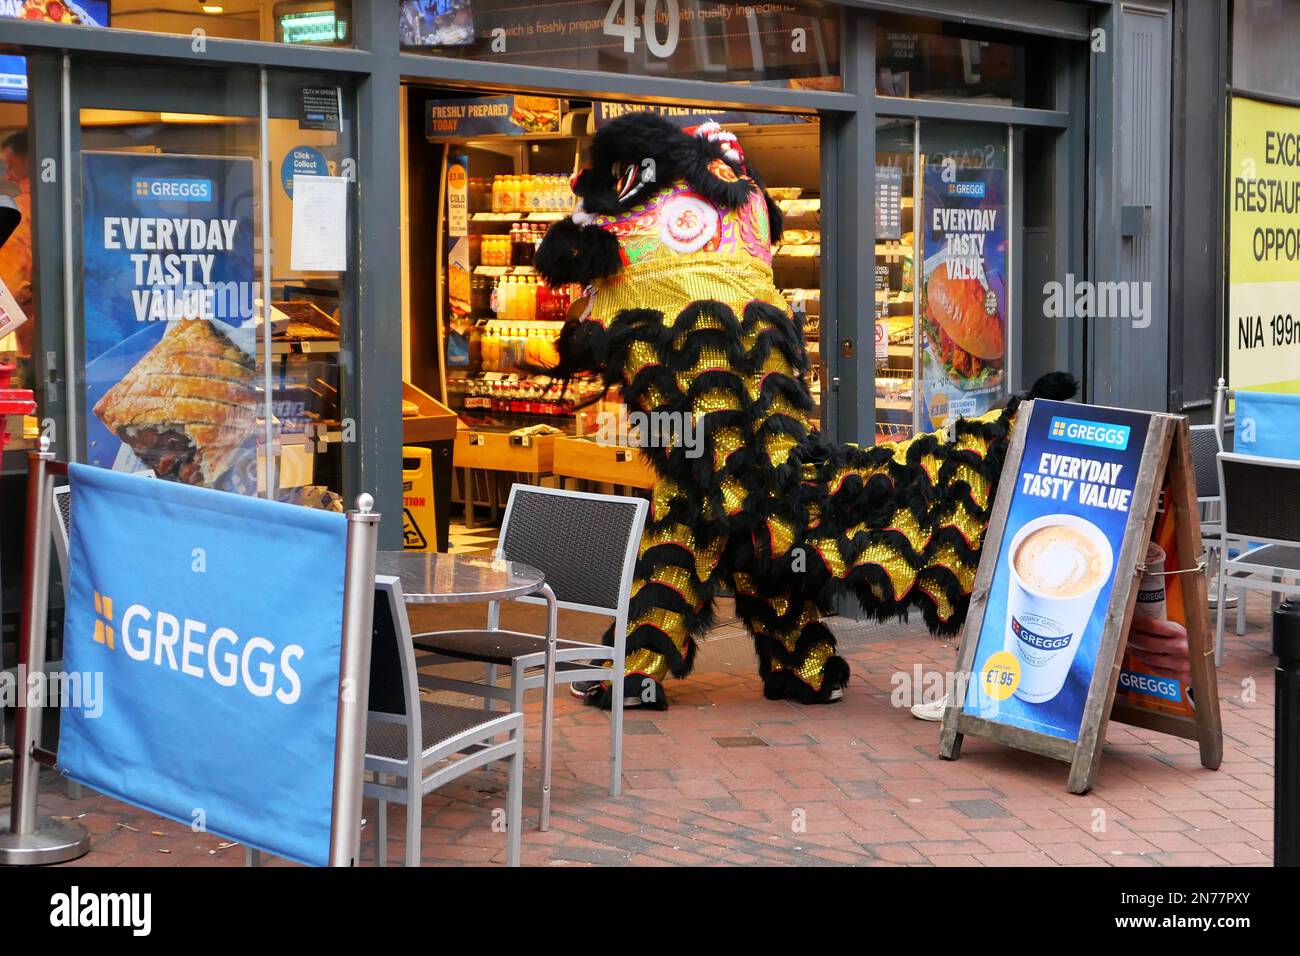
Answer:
(963, 295)
(169, 314)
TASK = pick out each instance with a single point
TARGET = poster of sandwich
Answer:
(963, 295)
(169, 309)
(513, 115)
(1055, 567)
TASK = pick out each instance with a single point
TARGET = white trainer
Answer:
(931, 711)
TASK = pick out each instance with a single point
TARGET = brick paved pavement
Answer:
(725, 777)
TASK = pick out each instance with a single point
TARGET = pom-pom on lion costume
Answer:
(673, 240)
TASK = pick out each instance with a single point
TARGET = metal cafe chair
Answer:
(1261, 505)
(417, 741)
(586, 545)
(1207, 442)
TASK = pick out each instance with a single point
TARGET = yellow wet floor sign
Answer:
(418, 527)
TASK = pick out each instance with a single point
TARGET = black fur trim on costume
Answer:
(572, 253)
(1057, 386)
(648, 696)
(784, 685)
(775, 218)
(582, 346)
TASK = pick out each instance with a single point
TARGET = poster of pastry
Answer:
(169, 307)
(963, 300)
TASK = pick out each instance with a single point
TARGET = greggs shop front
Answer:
(290, 251)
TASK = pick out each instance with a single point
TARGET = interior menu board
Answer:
(889, 202)
(510, 115)
(1056, 562)
(964, 295)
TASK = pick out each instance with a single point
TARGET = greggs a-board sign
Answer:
(1095, 521)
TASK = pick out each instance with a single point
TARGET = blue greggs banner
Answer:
(1267, 424)
(217, 623)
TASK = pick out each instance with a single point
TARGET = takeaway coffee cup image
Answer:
(1059, 564)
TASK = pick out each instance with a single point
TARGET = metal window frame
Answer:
(379, 68)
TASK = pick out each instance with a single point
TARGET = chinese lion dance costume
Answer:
(672, 238)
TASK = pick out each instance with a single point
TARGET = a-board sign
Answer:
(1095, 521)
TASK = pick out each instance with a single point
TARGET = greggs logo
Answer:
(198, 650)
(193, 190)
(1096, 434)
(103, 620)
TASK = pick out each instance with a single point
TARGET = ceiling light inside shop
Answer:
(213, 8)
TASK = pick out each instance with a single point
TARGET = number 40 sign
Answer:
(628, 28)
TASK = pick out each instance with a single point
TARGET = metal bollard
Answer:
(30, 840)
(1286, 740)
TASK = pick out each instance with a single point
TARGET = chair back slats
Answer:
(580, 542)
(387, 675)
(1205, 460)
(1261, 498)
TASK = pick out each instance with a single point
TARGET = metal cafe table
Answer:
(429, 578)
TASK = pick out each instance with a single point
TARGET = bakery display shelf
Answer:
(800, 213)
(802, 250)
(305, 347)
(498, 271)
(493, 449)
(509, 217)
(585, 459)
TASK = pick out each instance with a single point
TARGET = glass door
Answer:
(205, 334)
(943, 301)
(963, 274)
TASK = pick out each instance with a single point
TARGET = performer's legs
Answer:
(671, 605)
(796, 651)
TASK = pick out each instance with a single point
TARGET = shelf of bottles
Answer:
(511, 318)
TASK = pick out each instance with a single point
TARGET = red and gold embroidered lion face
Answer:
(652, 189)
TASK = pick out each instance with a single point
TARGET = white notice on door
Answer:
(320, 224)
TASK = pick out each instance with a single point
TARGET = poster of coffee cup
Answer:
(1055, 567)
(963, 298)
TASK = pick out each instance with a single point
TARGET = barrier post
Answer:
(29, 840)
(354, 682)
(1286, 730)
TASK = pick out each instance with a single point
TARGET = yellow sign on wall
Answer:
(1264, 247)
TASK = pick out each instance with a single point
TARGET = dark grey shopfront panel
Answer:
(1130, 351)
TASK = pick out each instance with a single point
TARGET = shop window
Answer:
(314, 22)
(182, 376)
(1265, 36)
(922, 58)
(943, 263)
(791, 44)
